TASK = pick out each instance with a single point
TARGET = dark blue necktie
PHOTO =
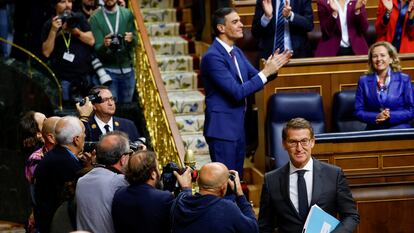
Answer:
(106, 128)
(234, 58)
(280, 28)
(302, 195)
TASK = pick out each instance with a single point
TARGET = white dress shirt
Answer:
(293, 182)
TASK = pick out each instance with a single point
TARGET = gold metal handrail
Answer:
(31, 55)
(160, 120)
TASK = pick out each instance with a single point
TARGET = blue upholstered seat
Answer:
(343, 119)
(281, 108)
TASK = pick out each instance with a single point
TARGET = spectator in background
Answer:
(30, 128)
(6, 27)
(103, 120)
(67, 42)
(95, 190)
(283, 24)
(384, 97)
(343, 24)
(58, 166)
(290, 191)
(86, 7)
(114, 31)
(395, 24)
(142, 206)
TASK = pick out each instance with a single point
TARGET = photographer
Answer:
(142, 206)
(102, 103)
(95, 190)
(207, 211)
(67, 42)
(114, 31)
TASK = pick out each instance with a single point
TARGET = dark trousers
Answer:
(230, 153)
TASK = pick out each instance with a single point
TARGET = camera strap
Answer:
(104, 11)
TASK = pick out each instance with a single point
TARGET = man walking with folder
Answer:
(289, 191)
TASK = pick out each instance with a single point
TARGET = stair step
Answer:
(175, 63)
(159, 15)
(163, 29)
(156, 3)
(190, 123)
(180, 80)
(169, 45)
(201, 160)
(183, 102)
(197, 143)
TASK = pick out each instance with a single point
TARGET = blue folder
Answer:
(318, 221)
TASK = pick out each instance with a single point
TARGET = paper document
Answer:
(318, 221)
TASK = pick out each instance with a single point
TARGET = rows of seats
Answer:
(284, 106)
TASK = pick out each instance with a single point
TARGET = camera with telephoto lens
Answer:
(104, 78)
(71, 19)
(169, 181)
(94, 98)
(117, 42)
(137, 145)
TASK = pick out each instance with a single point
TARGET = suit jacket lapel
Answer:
(116, 123)
(372, 86)
(285, 188)
(95, 131)
(395, 80)
(317, 182)
(228, 58)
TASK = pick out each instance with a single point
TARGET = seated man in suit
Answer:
(289, 191)
(229, 79)
(142, 206)
(103, 120)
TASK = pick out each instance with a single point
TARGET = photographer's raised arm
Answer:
(85, 37)
(49, 44)
(85, 110)
(184, 180)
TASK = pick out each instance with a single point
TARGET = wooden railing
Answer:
(164, 135)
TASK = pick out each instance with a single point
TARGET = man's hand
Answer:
(128, 37)
(239, 190)
(287, 10)
(87, 158)
(107, 40)
(267, 8)
(85, 110)
(184, 180)
(276, 61)
(56, 24)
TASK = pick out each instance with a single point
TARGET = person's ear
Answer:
(221, 28)
(154, 175)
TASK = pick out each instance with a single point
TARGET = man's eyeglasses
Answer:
(293, 143)
(112, 98)
(129, 153)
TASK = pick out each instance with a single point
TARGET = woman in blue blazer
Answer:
(384, 97)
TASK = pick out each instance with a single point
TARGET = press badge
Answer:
(68, 56)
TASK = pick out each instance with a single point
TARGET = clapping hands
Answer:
(276, 61)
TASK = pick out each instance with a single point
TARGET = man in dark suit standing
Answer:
(289, 191)
(103, 120)
(142, 206)
(228, 79)
(283, 24)
(60, 165)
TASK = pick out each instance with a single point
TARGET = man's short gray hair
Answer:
(66, 129)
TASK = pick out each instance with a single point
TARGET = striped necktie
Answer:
(280, 28)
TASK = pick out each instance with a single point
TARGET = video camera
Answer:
(71, 19)
(117, 42)
(168, 179)
(94, 98)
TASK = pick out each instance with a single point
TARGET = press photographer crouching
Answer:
(207, 211)
(143, 199)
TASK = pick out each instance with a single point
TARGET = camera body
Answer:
(117, 42)
(168, 179)
(71, 19)
(94, 98)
